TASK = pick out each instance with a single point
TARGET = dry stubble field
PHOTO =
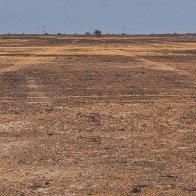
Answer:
(97, 116)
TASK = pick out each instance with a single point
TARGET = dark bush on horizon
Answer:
(97, 33)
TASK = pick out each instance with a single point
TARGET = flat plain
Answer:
(97, 116)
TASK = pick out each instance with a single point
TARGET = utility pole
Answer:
(124, 30)
(44, 29)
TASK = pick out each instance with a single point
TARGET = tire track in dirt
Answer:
(12, 68)
(36, 94)
(157, 65)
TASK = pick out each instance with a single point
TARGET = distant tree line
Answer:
(96, 33)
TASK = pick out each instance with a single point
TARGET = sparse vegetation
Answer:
(87, 33)
(97, 33)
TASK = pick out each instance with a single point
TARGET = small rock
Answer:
(50, 133)
(136, 189)
(49, 109)
(47, 183)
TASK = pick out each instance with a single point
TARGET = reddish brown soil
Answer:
(117, 120)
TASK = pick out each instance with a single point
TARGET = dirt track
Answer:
(106, 116)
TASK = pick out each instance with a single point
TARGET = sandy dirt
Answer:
(97, 116)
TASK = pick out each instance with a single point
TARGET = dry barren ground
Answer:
(97, 116)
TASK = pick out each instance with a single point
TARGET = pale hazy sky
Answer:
(80, 16)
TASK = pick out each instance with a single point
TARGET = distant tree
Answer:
(87, 33)
(97, 33)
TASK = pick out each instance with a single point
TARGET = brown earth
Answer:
(97, 116)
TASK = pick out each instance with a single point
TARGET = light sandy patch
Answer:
(10, 125)
(18, 63)
(157, 65)
(36, 95)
